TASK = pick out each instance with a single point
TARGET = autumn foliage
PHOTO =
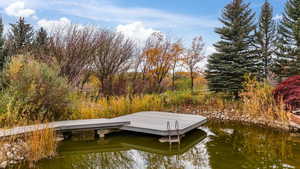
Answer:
(289, 92)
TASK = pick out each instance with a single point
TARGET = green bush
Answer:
(33, 91)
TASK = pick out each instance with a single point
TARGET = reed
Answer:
(258, 102)
(41, 144)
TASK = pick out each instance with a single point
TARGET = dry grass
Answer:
(41, 144)
(258, 101)
(116, 106)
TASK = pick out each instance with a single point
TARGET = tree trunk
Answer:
(173, 80)
(192, 81)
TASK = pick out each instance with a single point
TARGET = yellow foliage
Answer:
(258, 101)
(116, 106)
(41, 144)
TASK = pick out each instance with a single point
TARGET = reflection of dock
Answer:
(156, 123)
(124, 141)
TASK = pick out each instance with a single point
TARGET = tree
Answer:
(20, 36)
(113, 56)
(41, 37)
(40, 43)
(265, 38)
(193, 57)
(3, 57)
(234, 57)
(157, 59)
(287, 62)
(73, 49)
(176, 51)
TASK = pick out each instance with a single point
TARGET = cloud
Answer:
(18, 9)
(210, 50)
(50, 25)
(277, 17)
(106, 11)
(136, 31)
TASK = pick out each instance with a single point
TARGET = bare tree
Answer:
(73, 49)
(113, 56)
(193, 56)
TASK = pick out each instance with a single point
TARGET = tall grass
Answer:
(258, 101)
(116, 106)
(41, 144)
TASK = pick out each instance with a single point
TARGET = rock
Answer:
(4, 164)
(9, 155)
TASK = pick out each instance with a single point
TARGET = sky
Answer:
(137, 19)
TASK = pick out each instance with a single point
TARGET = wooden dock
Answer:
(162, 123)
(156, 123)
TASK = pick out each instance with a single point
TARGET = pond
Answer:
(221, 146)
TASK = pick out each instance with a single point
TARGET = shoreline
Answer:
(231, 116)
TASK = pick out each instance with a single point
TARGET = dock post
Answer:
(177, 129)
(102, 133)
(67, 135)
(169, 130)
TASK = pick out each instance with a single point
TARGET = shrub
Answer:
(33, 91)
(289, 92)
(258, 101)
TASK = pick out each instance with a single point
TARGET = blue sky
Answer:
(137, 18)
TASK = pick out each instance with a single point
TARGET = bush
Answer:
(289, 92)
(258, 101)
(33, 91)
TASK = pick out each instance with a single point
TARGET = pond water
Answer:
(221, 146)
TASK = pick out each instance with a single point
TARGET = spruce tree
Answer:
(265, 38)
(20, 36)
(234, 58)
(41, 38)
(287, 62)
(40, 44)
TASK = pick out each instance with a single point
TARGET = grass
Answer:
(258, 102)
(41, 144)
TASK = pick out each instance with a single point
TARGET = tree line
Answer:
(266, 49)
(121, 65)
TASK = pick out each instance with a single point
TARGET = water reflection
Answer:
(229, 146)
(248, 147)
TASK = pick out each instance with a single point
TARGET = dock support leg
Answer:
(67, 135)
(102, 133)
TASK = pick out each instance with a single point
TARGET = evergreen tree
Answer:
(287, 62)
(40, 44)
(20, 36)
(235, 55)
(41, 38)
(265, 38)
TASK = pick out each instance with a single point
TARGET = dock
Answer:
(163, 124)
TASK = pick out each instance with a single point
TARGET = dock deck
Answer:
(156, 123)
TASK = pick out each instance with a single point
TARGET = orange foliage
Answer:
(158, 56)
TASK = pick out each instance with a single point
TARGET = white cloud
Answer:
(18, 9)
(50, 25)
(210, 50)
(106, 11)
(277, 17)
(136, 31)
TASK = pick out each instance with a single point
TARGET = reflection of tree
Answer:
(107, 160)
(249, 147)
(157, 161)
(198, 155)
